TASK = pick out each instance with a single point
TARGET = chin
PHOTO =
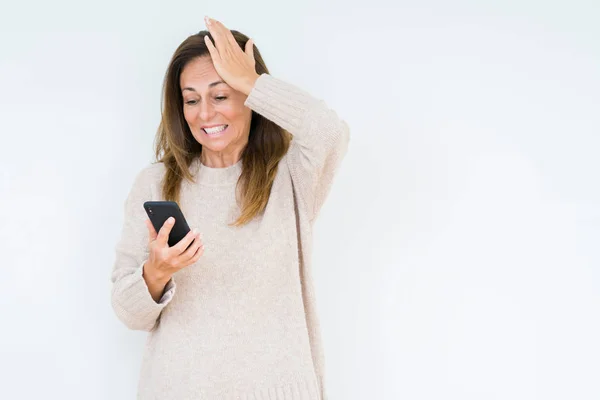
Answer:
(216, 147)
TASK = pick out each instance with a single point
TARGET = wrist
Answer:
(249, 84)
(153, 276)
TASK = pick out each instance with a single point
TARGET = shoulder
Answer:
(152, 172)
(147, 177)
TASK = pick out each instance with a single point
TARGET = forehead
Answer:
(198, 73)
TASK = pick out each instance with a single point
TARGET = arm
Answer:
(320, 138)
(132, 297)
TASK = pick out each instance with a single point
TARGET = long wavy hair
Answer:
(176, 147)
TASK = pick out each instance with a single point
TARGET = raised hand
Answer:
(236, 67)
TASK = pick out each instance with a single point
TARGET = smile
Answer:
(216, 132)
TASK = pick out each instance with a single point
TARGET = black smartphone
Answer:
(160, 211)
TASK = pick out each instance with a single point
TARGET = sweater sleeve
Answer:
(130, 296)
(320, 138)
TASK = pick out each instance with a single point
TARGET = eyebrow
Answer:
(209, 85)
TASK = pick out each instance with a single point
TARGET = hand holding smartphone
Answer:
(185, 247)
(160, 211)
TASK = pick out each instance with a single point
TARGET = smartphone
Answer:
(160, 211)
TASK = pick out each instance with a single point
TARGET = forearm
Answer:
(131, 296)
(320, 137)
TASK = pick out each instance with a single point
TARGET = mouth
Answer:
(212, 133)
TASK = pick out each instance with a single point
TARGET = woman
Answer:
(234, 315)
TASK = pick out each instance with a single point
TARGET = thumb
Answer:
(151, 231)
(165, 230)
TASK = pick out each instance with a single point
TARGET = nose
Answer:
(207, 111)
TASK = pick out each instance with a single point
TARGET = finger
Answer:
(151, 231)
(165, 230)
(197, 255)
(183, 243)
(191, 251)
(217, 30)
(228, 34)
(250, 48)
(214, 53)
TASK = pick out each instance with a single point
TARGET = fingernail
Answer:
(207, 20)
(171, 219)
(195, 231)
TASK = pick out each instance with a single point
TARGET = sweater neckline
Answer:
(217, 176)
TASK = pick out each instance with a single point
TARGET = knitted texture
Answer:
(241, 322)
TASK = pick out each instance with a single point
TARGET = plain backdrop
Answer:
(457, 256)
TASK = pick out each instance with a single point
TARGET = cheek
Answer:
(228, 111)
(233, 112)
(189, 115)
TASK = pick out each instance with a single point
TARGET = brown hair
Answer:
(177, 148)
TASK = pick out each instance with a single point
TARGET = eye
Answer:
(191, 102)
(220, 98)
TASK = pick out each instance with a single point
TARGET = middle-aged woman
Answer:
(250, 159)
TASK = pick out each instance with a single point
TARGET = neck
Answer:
(213, 160)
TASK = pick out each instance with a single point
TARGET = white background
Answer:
(457, 255)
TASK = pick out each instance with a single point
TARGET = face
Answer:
(209, 102)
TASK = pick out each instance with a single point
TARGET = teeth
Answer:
(216, 129)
